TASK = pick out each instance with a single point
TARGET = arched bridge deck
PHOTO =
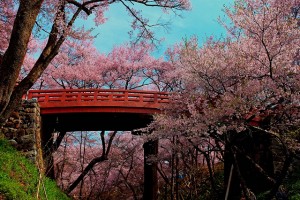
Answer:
(98, 109)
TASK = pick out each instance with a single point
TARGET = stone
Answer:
(30, 110)
(9, 132)
(9, 124)
(30, 117)
(13, 142)
(15, 115)
(31, 155)
(32, 125)
(22, 126)
(4, 129)
(20, 132)
(26, 142)
(30, 131)
(17, 125)
(27, 138)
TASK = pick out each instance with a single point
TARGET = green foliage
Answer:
(293, 185)
(290, 186)
(19, 179)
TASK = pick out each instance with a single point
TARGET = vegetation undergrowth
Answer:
(290, 189)
(20, 180)
(293, 185)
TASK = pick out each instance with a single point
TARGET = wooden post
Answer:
(150, 170)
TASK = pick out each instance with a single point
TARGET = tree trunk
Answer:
(14, 56)
(10, 94)
(150, 170)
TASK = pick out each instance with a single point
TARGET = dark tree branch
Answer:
(81, 6)
(110, 143)
(257, 167)
(58, 141)
(103, 143)
(208, 161)
(85, 172)
(90, 166)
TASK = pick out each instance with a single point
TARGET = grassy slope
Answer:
(19, 179)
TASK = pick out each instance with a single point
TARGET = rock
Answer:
(30, 131)
(13, 142)
(22, 126)
(26, 142)
(15, 115)
(20, 133)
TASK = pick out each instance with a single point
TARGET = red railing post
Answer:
(46, 98)
(95, 95)
(126, 96)
(79, 97)
(110, 97)
(155, 97)
(141, 97)
(63, 96)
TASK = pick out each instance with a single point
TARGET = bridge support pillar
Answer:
(150, 170)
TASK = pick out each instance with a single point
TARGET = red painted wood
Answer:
(98, 100)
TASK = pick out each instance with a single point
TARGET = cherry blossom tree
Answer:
(76, 66)
(182, 171)
(123, 68)
(245, 83)
(6, 21)
(53, 21)
(187, 167)
(121, 173)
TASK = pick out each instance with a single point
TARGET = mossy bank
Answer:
(20, 179)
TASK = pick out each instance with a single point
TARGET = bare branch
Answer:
(81, 6)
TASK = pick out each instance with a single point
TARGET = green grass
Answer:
(293, 185)
(19, 178)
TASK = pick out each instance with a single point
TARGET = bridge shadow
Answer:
(96, 121)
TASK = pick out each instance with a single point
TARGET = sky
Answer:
(201, 21)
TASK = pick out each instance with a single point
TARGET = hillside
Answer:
(20, 180)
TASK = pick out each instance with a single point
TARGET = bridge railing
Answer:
(97, 95)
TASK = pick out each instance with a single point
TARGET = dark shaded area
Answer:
(96, 121)
(257, 146)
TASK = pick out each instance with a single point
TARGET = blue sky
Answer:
(200, 21)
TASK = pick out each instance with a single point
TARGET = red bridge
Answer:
(86, 110)
(98, 109)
